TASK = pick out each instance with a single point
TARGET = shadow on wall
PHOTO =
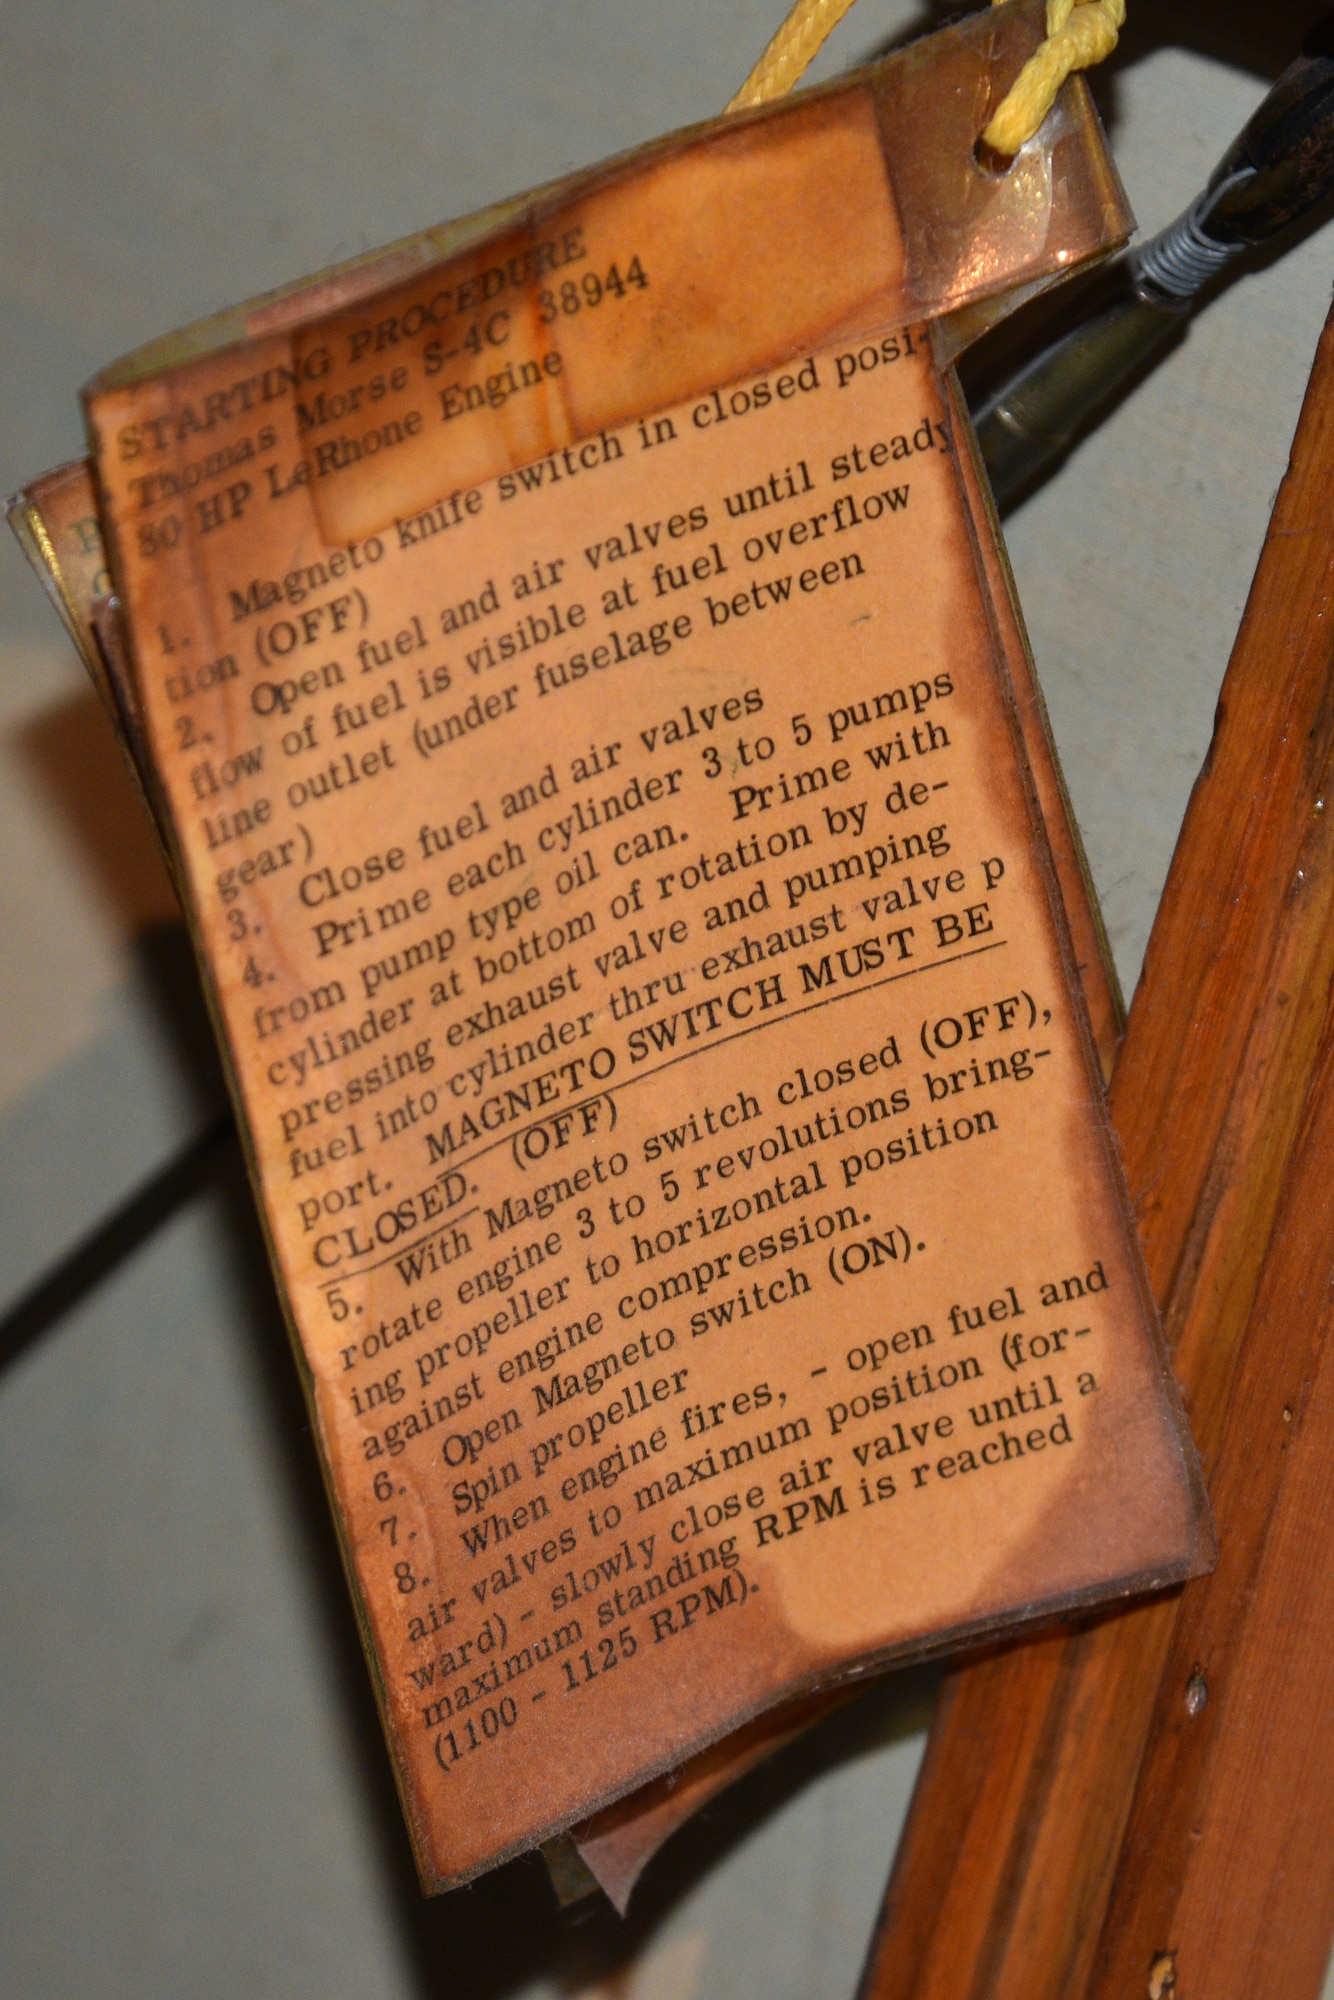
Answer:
(73, 752)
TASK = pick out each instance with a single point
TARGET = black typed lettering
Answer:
(445, 514)
(221, 406)
(479, 290)
(738, 958)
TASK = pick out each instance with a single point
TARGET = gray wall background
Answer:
(194, 1795)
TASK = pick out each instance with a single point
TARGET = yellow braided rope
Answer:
(1079, 34)
(799, 40)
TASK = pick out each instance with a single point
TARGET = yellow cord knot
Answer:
(1079, 34)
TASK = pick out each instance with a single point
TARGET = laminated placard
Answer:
(568, 660)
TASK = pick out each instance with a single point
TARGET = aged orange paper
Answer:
(606, 818)
(617, 1844)
(61, 508)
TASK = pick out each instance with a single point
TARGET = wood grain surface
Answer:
(1226, 1877)
(1006, 1865)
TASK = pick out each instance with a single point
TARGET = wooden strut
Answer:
(1223, 1101)
(1226, 1875)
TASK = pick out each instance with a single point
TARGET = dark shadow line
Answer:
(112, 1240)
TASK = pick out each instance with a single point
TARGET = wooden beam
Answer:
(1225, 1885)
(1005, 1868)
